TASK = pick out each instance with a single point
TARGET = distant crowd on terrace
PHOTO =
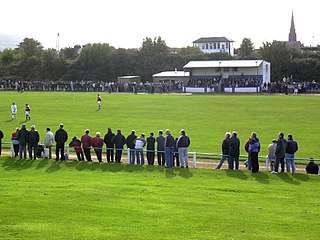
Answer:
(149, 87)
(170, 151)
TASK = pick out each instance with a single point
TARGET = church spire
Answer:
(292, 34)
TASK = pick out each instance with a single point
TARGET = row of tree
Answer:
(102, 62)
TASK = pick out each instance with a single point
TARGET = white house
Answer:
(215, 45)
(228, 75)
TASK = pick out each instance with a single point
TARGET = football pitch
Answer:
(205, 118)
(45, 199)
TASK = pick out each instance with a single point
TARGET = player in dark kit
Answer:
(99, 101)
(27, 112)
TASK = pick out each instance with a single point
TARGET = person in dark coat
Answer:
(280, 153)
(60, 137)
(169, 143)
(150, 149)
(119, 141)
(110, 145)
(33, 140)
(312, 168)
(161, 148)
(23, 138)
(234, 152)
(130, 144)
(225, 149)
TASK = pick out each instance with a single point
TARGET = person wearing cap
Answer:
(151, 148)
(97, 144)
(183, 143)
(60, 137)
(234, 152)
(139, 144)
(22, 137)
(130, 144)
(110, 145)
(292, 148)
(48, 141)
(272, 154)
(33, 140)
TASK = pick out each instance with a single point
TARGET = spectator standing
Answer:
(169, 143)
(272, 154)
(139, 144)
(1, 137)
(49, 139)
(234, 152)
(97, 144)
(15, 143)
(110, 145)
(130, 145)
(151, 148)
(119, 141)
(33, 140)
(23, 137)
(254, 149)
(86, 145)
(161, 148)
(76, 144)
(14, 110)
(183, 143)
(225, 149)
(280, 153)
(175, 154)
(60, 137)
(292, 147)
(312, 168)
(27, 110)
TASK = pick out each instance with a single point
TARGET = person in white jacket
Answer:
(139, 144)
(49, 139)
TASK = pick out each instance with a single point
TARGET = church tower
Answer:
(292, 34)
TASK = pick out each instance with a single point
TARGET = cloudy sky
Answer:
(125, 23)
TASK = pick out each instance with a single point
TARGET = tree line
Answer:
(29, 61)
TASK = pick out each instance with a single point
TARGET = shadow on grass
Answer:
(301, 177)
(185, 173)
(170, 173)
(17, 164)
(236, 174)
(55, 166)
(288, 178)
(261, 177)
(42, 163)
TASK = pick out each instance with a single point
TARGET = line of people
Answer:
(170, 151)
(280, 151)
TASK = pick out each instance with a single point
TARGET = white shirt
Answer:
(14, 109)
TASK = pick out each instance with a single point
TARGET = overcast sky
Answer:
(125, 23)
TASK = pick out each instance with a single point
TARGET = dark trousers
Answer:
(60, 149)
(99, 154)
(150, 156)
(110, 155)
(118, 156)
(176, 159)
(80, 156)
(16, 150)
(281, 161)
(0, 147)
(22, 149)
(33, 147)
(161, 158)
(254, 162)
(87, 154)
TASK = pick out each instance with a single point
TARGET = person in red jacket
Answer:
(76, 143)
(97, 143)
(86, 145)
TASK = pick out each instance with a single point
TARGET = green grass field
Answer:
(205, 118)
(45, 199)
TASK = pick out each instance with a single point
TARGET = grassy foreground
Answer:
(206, 118)
(45, 199)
